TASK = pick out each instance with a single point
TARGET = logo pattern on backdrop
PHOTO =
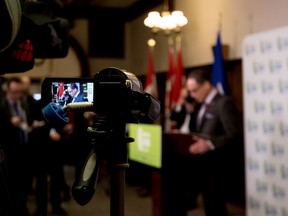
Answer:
(265, 89)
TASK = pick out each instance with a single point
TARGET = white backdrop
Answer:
(265, 86)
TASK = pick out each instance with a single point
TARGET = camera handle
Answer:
(111, 144)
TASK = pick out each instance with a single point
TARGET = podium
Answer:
(176, 145)
(173, 146)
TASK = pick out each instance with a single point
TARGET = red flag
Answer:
(60, 89)
(151, 82)
(169, 85)
(179, 77)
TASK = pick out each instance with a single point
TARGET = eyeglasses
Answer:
(195, 90)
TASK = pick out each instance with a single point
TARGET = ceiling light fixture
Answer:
(167, 21)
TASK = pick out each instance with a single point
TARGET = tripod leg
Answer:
(117, 189)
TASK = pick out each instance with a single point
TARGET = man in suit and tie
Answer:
(74, 91)
(14, 129)
(216, 128)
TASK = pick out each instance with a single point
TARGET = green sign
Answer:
(146, 148)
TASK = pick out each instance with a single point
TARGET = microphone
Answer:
(55, 114)
(83, 187)
(79, 107)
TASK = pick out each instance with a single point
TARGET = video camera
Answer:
(110, 92)
(32, 29)
(117, 97)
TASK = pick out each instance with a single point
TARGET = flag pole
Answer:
(151, 85)
(169, 83)
(151, 82)
(179, 74)
(220, 22)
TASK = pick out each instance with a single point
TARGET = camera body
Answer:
(112, 91)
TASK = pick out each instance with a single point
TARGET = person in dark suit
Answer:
(74, 91)
(14, 129)
(44, 157)
(216, 128)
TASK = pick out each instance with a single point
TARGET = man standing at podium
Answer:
(215, 129)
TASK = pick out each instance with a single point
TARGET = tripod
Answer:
(109, 142)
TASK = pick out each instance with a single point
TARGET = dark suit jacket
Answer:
(220, 121)
(178, 117)
(9, 134)
(80, 98)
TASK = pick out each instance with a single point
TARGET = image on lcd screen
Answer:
(64, 93)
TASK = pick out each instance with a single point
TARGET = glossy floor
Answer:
(134, 205)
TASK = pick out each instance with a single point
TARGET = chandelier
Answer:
(166, 22)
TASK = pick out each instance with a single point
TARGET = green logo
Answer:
(146, 148)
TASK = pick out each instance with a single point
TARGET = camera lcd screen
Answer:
(67, 90)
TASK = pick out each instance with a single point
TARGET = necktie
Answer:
(22, 133)
(15, 107)
(201, 114)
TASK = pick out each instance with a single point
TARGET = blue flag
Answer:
(218, 75)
